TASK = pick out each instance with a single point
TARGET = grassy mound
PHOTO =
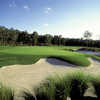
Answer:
(29, 55)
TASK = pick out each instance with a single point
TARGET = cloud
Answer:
(46, 25)
(13, 4)
(47, 10)
(26, 7)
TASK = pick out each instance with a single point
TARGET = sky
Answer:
(69, 18)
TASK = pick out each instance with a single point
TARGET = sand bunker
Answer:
(24, 76)
(27, 76)
(58, 62)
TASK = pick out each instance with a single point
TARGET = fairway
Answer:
(11, 55)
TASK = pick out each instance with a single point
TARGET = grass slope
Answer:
(29, 55)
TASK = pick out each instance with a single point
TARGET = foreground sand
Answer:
(23, 77)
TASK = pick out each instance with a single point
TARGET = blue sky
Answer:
(69, 18)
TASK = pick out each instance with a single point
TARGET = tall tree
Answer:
(35, 38)
(22, 37)
(47, 39)
(59, 39)
(87, 36)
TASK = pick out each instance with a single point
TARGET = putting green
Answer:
(10, 55)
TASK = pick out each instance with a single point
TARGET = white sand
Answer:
(23, 77)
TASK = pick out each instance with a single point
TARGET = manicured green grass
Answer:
(10, 55)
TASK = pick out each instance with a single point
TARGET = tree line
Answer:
(17, 37)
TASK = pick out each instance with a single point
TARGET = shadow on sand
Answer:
(57, 62)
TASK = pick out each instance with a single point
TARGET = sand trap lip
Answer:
(49, 61)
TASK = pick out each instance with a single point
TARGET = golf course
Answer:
(25, 67)
(49, 49)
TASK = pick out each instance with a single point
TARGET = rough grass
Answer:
(78, 83)
(6, 93)
(29, 55)
(53, 88)
(96, 84)
(59, 87)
